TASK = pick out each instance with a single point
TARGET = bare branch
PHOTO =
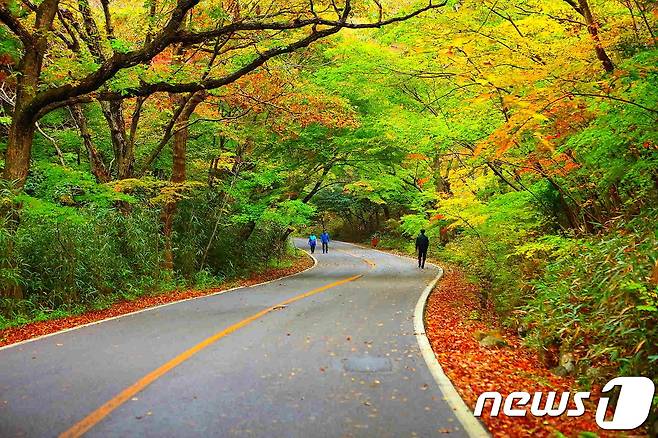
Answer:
(575, 6)
(52, 140)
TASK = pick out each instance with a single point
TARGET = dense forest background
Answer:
(159, 144)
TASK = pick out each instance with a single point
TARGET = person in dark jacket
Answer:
(422, 244)
(324, 238)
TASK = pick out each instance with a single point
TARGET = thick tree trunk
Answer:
(21, 131)
(23, 126)
(19, 149)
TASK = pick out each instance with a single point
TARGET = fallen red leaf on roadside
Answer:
(474, 369)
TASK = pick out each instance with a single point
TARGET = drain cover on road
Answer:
(367, 364)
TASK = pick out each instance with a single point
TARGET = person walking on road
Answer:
(312, 241)
(422, 244)
(324, 238)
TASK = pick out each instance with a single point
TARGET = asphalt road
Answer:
(340, 362)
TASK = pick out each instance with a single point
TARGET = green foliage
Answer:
(9, 45)
(529, 167)
(120, 46)
(411, 224)
(595, 293)
(72, 257)
(60, 186)
(291, 213)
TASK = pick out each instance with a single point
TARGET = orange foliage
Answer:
(265, 91)
(417, 157)
(475, 369)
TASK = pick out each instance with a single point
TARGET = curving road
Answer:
(338, 359)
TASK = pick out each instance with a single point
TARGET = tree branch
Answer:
(617, 99)
(171, 33)
(575, 6)
(15, 26)
(208, 84)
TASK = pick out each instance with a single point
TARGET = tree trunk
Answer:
(96, 162)
(643, 14)
(439, 184)
(21, 131)
(179, 149)
(23, 125)
(17, 164)
(113, 110)
(593, 29)
(123, 150)
(178, 168)
(387, 211)
(19, 149)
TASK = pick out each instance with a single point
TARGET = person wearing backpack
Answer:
(312, 241)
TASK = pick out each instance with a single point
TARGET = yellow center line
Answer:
(370, 263)
(363, 259)
(81, 427)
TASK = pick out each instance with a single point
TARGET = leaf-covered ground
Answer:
(28, 331)
(453, 320)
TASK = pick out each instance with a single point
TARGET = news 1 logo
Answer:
(633, 403)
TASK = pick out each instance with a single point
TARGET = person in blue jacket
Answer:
(324, 237)
(312, 241)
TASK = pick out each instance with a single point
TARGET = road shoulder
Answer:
(478, 354)
(14, 336)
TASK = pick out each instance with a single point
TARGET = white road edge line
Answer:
(472, 426)
(148, 309)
